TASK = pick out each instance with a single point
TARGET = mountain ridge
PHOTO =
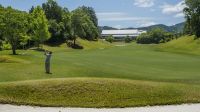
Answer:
(174, 28)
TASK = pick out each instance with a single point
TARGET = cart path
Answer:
(172, 108)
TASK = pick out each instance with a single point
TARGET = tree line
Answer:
(155, 36)
(49, 23)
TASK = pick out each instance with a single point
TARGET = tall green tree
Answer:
(13, 25)
(59, 20)
(91, 13)
(52, 10)
(192, 14)
(77, 29)
(86, 28)
(66, 24)
(40, 30)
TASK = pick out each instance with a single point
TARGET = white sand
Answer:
(174, 108)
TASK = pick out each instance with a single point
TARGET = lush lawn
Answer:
(153, 77)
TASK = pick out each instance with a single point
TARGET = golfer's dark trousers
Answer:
(47, 67)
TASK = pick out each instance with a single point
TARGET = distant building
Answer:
(121, 34)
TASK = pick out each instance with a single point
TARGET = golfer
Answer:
(47, 61)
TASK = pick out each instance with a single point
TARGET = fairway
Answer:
(132, 75)
(138, 62)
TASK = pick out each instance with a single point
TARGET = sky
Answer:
(119, 13)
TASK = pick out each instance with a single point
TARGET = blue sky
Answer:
(120, 13)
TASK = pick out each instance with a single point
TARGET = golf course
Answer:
(103, 75)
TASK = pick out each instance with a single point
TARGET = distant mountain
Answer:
(107, 28)
(175, 28)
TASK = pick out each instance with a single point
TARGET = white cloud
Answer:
(119, 16)
(176, 10)
(144, 3)
(146, 23)
(123, 17)
(118, 26)
(179, 15)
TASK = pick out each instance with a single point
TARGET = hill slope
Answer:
(175, 28)
(185, 44)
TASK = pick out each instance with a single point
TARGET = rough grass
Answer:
(185, 45)
(9, 59)
(92, 92)
(88, 45)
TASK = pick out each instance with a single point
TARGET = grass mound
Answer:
(100, 44)
(185, 44)
(82, 44)
(91, 92)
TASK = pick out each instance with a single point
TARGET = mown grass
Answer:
(92, 92)
(153, 77)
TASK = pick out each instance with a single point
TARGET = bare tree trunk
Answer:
(74, 42)
(14, 50)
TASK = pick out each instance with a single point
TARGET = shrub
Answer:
(127, 39)
(110, 39)
(6, 46)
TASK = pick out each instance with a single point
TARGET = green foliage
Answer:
(59, 21)
(192, 14)
(110, 39)
(91, 13)
(155, 36)
(39, 26)
(53, 10)
(127, 39)
(52, 24)
(82, 24)
(6, 46)
(14, 25)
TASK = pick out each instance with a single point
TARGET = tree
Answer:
(77, 29)
(13, 25)
(66, 24)
(91, 13)
(59, 20)
(110, 39)
(40, 30)
(83, 25)
(52, 10)
(192, 15)
(127, 39)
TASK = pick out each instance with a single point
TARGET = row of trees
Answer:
(50, 23)
(154, 36)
